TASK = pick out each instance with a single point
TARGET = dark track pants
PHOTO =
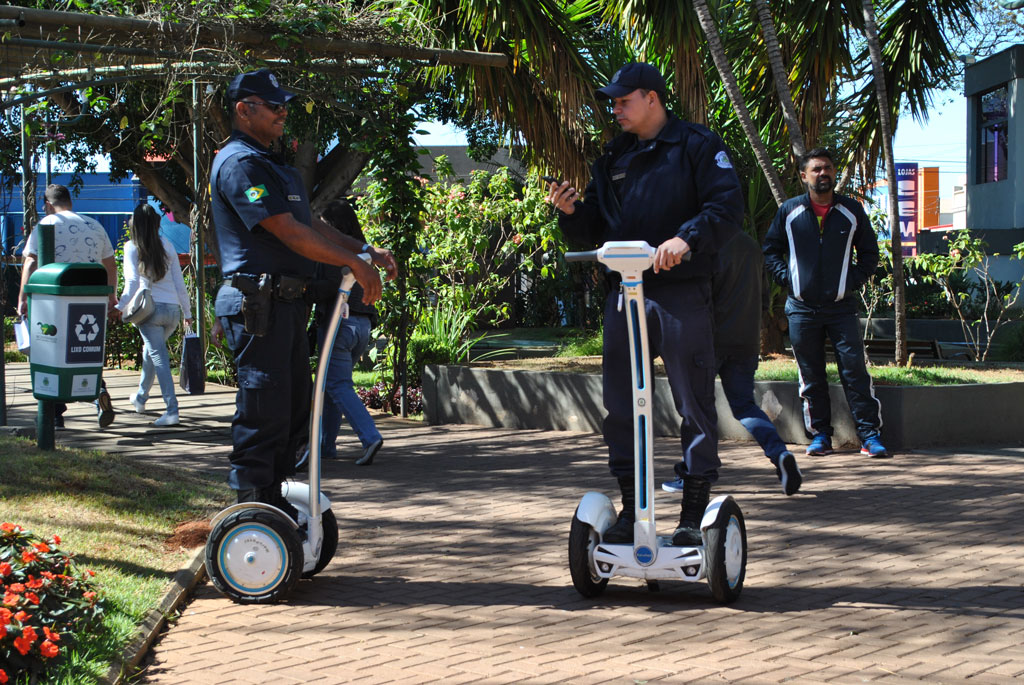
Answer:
(679, 330)
(808, 328)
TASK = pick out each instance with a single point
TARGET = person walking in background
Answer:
(349, 345)
(76, 238)
(736, 298)
(150, 261)
(809, 249)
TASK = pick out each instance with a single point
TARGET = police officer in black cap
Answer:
(671, 183)
(269, 242)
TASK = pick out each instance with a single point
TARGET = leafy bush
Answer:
(583, 345)
(376, 397)
(45, 601)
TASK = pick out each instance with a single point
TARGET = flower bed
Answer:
(45, 601)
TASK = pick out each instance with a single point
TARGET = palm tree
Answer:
(886, 132)
(707, 23)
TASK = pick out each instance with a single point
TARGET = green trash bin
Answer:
(67, 306)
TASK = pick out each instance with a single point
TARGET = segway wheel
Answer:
(582, 541)
(329, 545)
(727, 553)
(254, 556)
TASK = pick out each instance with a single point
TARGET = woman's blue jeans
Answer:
(342, 400)
(156, 362)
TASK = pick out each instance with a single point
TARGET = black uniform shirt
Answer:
(248, 183)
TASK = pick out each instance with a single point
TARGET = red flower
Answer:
(22, 645)
(11, 599)
(9, 527)
(16, 587)
(48, 575)
(42, 547)
(5, 616)
(32, 597)
(3, 631)
(56, 539)
(50, 635)
(91, 596)
(48, 649)
(3, 676)
(34, 583)
(28, 555)
(5, 569)
(21, 616)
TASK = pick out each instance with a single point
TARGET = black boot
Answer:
(621, 531)
(696, 493)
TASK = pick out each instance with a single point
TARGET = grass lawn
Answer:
(117, 516)
(783, 368)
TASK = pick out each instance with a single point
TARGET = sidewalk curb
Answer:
(182, 585)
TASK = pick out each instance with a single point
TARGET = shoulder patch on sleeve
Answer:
(255, 193)
(722, 160)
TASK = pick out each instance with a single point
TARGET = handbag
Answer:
(192, 374)
(139, 308)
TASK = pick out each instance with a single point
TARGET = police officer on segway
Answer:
(269, 242)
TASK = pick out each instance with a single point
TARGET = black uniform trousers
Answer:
(679, 330)
(271, 416)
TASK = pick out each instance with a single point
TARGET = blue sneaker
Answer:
(789, 473)
(820, 445)
(673, 485)
(873, 447)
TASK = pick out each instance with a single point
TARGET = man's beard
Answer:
(823, 185)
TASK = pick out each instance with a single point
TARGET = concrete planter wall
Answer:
(912, 416)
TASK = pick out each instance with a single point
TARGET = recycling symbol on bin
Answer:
(87, 328)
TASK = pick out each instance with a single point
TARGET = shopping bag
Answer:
(21, 334)
(192, 377)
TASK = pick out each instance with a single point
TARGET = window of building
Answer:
(993, 143)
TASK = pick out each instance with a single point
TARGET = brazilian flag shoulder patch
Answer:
(255, 193)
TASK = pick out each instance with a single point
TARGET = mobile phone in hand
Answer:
(551, 179)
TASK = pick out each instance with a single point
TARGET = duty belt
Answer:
(283, 287)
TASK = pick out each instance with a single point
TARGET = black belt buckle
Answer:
(290, 287)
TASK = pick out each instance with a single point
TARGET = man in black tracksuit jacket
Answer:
(809, 249)
(670, 183)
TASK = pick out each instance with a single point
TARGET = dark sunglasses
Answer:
(276, 109)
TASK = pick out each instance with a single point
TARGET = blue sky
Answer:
(941, 142)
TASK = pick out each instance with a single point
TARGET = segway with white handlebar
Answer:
(722, 556)
(256, 553)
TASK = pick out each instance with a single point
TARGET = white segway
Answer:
(256, 553)
(722, 558)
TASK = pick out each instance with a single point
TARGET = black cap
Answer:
(632, 76)
(261, 83)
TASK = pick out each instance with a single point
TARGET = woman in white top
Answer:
(150, 261)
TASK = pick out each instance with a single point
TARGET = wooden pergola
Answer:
(44, 54)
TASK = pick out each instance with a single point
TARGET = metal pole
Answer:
(199, 258)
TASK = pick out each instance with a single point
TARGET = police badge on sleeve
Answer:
(722, 160)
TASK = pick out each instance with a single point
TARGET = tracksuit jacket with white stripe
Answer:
(816, 266)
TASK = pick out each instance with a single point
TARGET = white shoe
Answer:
(167, 419)
(140, 406)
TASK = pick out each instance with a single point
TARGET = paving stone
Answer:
(452, 565)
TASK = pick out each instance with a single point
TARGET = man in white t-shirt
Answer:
(76, 238)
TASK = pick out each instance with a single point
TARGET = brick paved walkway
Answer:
(452, 568)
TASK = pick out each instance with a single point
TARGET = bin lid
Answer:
(69, 278)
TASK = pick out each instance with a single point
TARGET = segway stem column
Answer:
(630, 259)
(339, 312)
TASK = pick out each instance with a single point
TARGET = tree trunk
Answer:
(771, 41)
(732, 88)
(335, 173)
(898, 284)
